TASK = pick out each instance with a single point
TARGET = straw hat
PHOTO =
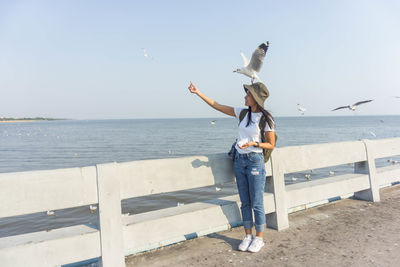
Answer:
(259, 92)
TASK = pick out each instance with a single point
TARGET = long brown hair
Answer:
(270, 120)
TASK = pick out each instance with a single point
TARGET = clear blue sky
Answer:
(83, 59)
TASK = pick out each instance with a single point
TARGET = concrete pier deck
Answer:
(343, 233)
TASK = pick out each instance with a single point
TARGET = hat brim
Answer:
(248, 87)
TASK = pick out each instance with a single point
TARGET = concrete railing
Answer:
(117, 236)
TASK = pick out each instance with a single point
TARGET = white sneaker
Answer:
(244, 245)
(256, 245)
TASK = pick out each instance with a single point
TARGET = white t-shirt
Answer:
(251, 133)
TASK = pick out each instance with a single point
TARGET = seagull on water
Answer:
(253, 66)
(92, 208)
(50, 213)
(301, 109)
(212, 122)
(393, 161)
(353, 107)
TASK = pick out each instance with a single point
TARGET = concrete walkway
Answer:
(343, 233)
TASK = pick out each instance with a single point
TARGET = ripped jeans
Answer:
(250, 179)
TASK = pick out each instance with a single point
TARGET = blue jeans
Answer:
(250, 179)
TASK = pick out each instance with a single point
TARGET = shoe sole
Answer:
(244, 249)
(255, 251)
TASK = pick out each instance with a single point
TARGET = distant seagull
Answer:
(212, 122)
(50, 213)
(251, 68)
(301, 109)
(353, 107)
(294, 179)
(218, 189)
(179, 204)
(92, 208)
(373, 134)
(331, 173)
(146, 55)
(307, 176)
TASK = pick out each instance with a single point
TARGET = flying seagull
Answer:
(251, 68)
(353, 107)
(145, 54)
(301, 109)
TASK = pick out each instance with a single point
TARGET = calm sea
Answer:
(73, 143)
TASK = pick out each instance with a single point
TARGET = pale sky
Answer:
(84, 59)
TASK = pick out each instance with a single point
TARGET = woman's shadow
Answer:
(233, 242)
(222, 171)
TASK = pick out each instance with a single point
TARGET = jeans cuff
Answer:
(247, 224)
(260, 228)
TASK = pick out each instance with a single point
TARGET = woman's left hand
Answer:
(247, 145)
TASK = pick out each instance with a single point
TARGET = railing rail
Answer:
(107, 184)
(37, 191)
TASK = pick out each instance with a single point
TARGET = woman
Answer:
(249, 163)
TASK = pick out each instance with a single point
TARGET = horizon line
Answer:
(227, 117)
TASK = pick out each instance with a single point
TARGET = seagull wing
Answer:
(257, 58)
(340, 108)
(245, 60)
(362, 102)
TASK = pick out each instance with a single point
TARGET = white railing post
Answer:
(276, 184)
(368, 167)
(108, 186)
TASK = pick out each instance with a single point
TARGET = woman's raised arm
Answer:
(222, 108)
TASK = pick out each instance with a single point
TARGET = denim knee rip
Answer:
(254, 171)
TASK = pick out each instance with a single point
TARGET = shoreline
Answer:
(13, 121)
(28, 120)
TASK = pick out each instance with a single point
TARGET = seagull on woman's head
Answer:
(251, 68)
(353, 107)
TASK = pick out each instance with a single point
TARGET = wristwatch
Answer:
(257, 144)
